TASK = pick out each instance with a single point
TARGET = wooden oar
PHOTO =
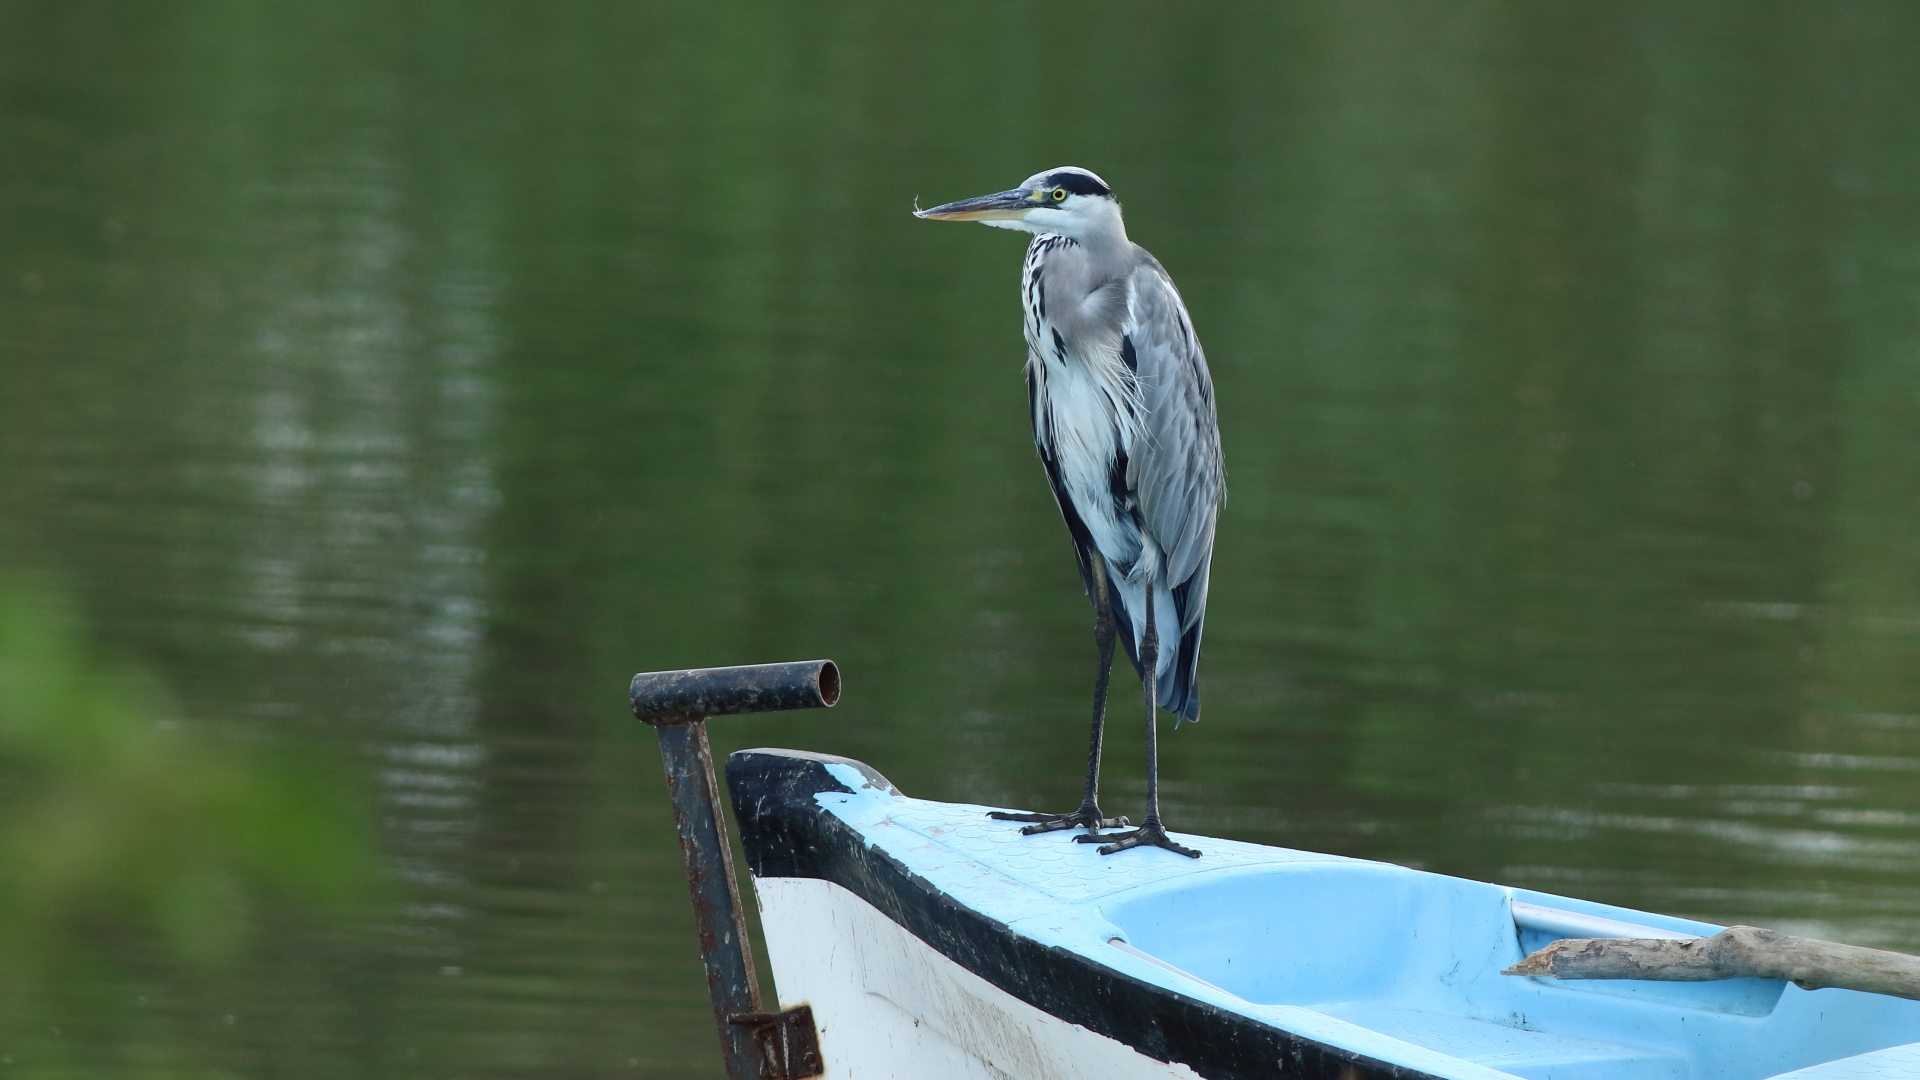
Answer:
(1738, 952)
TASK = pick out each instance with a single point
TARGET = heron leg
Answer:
(1150, 833)
(1088, 816)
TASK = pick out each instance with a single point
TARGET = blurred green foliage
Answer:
(128, 831)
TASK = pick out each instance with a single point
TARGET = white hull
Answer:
(889, 1007)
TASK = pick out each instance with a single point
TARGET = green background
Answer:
(390, 381)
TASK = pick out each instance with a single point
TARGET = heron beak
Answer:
(1003, 206)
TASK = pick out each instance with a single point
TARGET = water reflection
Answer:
(397, 380)
(373, 486)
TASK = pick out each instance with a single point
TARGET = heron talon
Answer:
(1087, 817)
(1152, 834)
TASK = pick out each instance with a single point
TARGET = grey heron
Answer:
(1124, 423)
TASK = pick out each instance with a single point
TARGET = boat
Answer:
(932, 942)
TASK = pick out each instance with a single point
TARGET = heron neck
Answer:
(1105, 235)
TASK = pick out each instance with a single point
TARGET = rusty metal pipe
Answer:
(660, 696)
(756, 1045)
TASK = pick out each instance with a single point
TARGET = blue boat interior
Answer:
(1398, 964)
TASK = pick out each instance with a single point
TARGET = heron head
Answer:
(1069, 201)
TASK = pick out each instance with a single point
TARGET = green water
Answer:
(391, 381)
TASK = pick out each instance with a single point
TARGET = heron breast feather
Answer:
(1090, 436)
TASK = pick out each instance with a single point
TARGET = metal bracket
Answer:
(756, 1045)
(788, 1044)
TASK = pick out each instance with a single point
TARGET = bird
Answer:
(1125, 425)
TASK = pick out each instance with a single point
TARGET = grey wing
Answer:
(1178, 473)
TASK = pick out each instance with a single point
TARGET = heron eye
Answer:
(1059, 194)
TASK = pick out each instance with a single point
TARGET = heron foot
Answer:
(1087, 817)
(1152, 834)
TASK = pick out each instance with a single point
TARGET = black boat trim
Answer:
(787, 833)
